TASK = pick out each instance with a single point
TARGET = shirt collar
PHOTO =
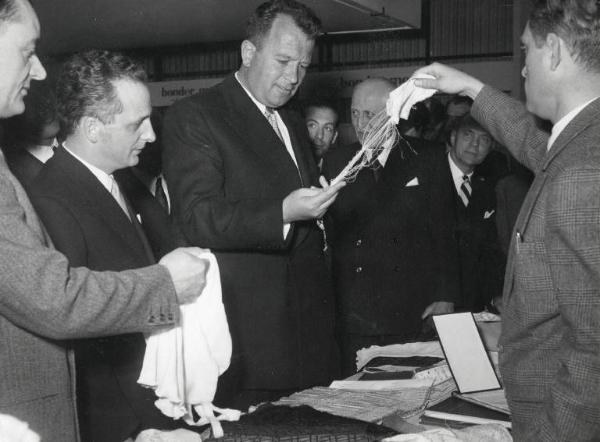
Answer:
(258, 104)
(103, 177)
(457, 174)
(564, 121)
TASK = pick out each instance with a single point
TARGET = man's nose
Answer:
(149, 134)
(37, 70)
(363, 120)
(291, 73)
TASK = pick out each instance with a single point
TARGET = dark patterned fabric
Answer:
(272, 423)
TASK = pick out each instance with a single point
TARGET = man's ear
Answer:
(553, 43)
(248, 51)
(91, 128)
(453, 137)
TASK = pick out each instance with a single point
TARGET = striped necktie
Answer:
(272, 119)
(465, 190)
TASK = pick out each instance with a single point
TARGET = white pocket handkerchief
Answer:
(413, 182)
(487, 214)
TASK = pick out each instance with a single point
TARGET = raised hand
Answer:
(448, 80)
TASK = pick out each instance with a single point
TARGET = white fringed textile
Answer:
(404, 97)
(182, 364)
(381, 134)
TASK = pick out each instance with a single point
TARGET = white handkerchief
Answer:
(413, 182)
(139, 218)
(403, 98)
(487, 214)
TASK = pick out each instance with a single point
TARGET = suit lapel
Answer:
(586, 117)
(256, 133)
(31, 217)
(94, 195)
(306, 163)
(139, 230)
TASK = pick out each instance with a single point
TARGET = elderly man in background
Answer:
(550, 343)
(243, 182)
(394, 262)
(42, 299)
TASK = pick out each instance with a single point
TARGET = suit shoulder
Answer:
(211, 97)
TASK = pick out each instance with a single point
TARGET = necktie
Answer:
(118, 196)
(272, 119)
(465, 190)
(160, 195)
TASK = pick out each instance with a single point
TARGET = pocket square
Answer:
(139, 218)
(413, 182)
(487, 214)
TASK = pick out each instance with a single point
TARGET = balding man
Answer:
(394, 262)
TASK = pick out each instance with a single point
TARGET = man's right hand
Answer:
(188, 272)
(448, 80)
(304, 204)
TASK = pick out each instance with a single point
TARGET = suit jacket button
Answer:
(358, 269)
(358, 242)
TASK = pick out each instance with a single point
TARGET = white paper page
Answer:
(465, 352)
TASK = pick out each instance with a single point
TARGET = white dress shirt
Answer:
(108, 181)
(564, 121)
(457, 174)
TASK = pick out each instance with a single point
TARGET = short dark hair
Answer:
(467, 121)
(577, 22)
(318, 102)
(85, 86)
(260, 22)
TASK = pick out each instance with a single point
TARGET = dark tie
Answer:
(465, 190)
(160, 195)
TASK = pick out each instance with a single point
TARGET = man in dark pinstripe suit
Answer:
(550, 345)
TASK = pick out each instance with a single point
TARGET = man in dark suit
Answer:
(550, 342)
(243, 182)
(30, 138)
(394, 259)
(92, 219)
(480, 256)
(42, 299)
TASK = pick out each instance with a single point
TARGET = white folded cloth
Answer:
(182, 364)
(15, 430)
(403, 98)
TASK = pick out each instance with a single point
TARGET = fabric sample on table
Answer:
(270, 423)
